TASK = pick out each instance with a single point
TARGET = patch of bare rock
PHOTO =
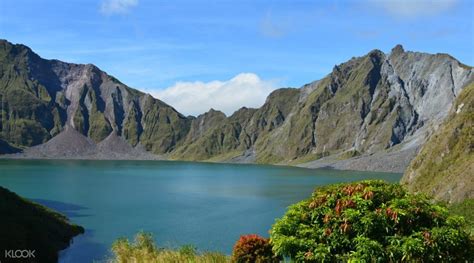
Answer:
(70, 144)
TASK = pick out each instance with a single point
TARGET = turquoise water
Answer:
(207, 205)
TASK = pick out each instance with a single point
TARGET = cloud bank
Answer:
(111, 7)
(194, 98)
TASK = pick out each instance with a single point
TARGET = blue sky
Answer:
(174, 48)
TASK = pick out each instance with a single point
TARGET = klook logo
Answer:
(20, 253)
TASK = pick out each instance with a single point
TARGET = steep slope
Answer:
(40, 97)
(220, 141)
(373, 103)
(202, 124)
(27, 225)
(444, 168)
(240, 132)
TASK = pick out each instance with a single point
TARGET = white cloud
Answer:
(414, 8)
(194, 98)
(110, 7)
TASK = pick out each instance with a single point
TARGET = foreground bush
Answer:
(370, 221)
(144, 250)
(466, 210)
(253, 248)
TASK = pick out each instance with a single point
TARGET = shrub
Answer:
(369, 221)
(465, 209)
(188, 250)
(144, 250)
(253, 248)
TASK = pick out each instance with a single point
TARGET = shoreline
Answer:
(359, 163)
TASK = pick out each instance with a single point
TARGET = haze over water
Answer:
(203, 204)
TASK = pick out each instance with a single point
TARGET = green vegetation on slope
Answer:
(241, 131)
(100, 127)
(163, 126)
(133, 127)
(34, 106)
(228, 136)
(444, 168)
(27, 225)
(370, 221)
(26, 109)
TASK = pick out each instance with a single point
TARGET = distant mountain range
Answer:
(372, 112)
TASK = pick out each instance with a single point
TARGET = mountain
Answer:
(40, 98)
(27, 225)
(371, 104)
(239, 132)
(444, 168)
(370, 113)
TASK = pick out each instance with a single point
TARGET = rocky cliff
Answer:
(375, 107)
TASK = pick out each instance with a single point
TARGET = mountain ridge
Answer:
(370, 105)
(80, 96)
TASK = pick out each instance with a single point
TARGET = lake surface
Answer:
(203, 204)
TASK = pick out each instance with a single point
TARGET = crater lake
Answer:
(207, 205)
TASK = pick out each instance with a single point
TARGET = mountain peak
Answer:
(212, 112)
(398, 49)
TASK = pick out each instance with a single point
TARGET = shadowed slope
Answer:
(27, 225)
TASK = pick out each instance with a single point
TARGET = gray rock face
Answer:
(423, 88)
(429, 82)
